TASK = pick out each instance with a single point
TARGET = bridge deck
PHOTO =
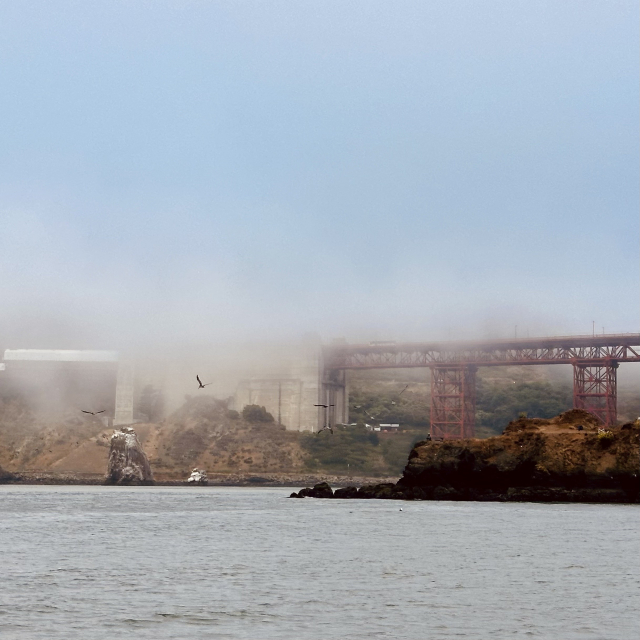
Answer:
(527, 351)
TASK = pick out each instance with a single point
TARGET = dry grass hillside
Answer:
(202, 433)
(34, 442)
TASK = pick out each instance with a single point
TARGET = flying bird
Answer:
(93, 413)
(200, 385)
(325, 428)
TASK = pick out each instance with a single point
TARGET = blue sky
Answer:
(220, 170)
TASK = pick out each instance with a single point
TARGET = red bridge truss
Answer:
(453, 367)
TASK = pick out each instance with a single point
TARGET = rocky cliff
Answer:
(128, 463)
(568, 458)
(565, 458)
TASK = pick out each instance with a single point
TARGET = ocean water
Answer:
(188, 562)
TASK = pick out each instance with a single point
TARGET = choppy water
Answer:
(152, 562)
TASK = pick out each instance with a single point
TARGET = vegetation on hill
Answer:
(256, 413)
(356, 449)
(405, 398)
(391, 396)
(203, 433)
(497, 405)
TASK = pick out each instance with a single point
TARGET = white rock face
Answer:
(128, 463)
(198, 476)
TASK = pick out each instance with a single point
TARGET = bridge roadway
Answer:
(453, 367)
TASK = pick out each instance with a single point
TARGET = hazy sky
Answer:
(215, 170)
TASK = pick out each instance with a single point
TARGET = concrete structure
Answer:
(67, 377)
(290, 393)
(281, 397)
(59, 355)
(334, 392)
(123, 413)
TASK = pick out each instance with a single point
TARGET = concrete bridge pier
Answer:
(124, 394)
(334, 391)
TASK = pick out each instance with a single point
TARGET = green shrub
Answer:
(255, 413)
(497, 405)
(355, 448)
(605, 436)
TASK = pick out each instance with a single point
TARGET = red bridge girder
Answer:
(594, 358)
(564, 350)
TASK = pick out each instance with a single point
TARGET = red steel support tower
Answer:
(594, 358)
(453, 401)
(595, 389)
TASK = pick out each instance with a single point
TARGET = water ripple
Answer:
(244, 564)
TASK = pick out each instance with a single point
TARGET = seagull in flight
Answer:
(93, 413)
(325, 428)
(200, 385)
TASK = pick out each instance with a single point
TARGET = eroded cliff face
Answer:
(565, 458)
(128, 463)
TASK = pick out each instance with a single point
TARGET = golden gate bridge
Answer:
(453, 366)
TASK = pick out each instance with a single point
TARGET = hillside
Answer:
(203, 433)
(200, 434)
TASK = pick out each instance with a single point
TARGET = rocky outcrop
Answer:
(346, 492)
(320, 490)
(128, 463)
(565, 459)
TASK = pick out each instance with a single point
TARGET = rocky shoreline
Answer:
(214, 480)
(569, 458)
(129, 465)
(566, 459)
(391, 491)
